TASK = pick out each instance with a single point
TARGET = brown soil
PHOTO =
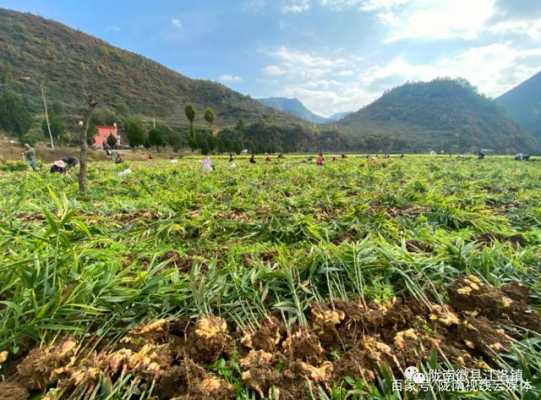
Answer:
(416, 246)
(486, 239)
(174, 258)
(345, 339)
(508, 305)
(413, 211)
(13, 391)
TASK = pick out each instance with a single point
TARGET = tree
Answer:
(15, 117)
(5, 73)
(84, 145)
(55, 124)
(240, 127)
(175, 139)
(190, 114)
(47, 119)
(111, 140)
(135, 132)
(209, 117)
(229, 141)
(204, 140)
(157, 137)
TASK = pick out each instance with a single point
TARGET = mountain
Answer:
(293, 107)
(339, 116)
(35, 51)
(443, 114)
(523, 104)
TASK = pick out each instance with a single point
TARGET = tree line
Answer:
(262, 136)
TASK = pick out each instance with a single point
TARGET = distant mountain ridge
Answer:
(523, 104)
(443, 114)
(294, 107)
(339, 116)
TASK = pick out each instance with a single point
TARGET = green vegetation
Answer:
(523, 104)
(135, 132)
(15, 118)
(189, 111)
(56, 124)
(443, 114)
(314, 282)
(111, 141)
(158, 137)
(37, 51)
(209, 117)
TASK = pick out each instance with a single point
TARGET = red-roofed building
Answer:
(103, 132)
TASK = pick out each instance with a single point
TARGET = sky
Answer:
(333, 55)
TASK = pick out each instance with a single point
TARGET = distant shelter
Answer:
(103, 132)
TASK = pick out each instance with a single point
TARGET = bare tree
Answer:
(44, 98)
(92, 103)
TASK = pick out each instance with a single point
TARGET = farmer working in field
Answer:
(252, 159)
(29, 156)
(59, 167)
(115, 156)
(64, 165)
(107, 149)
(206, 165)
(320, 159)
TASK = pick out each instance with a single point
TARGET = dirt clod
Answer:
(13, 391)
(209, 339)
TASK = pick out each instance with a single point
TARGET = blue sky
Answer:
(334, 55)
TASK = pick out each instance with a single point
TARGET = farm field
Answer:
(277, 280)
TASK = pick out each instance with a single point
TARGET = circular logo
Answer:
(410, 372)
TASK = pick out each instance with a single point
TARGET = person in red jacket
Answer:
(320, 159)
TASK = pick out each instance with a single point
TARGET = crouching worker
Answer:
(115, 156)
(206, 165)
(64, 165)
(59, 167)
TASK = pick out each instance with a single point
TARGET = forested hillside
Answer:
(523, 104)
(443, 114)
(35, 51)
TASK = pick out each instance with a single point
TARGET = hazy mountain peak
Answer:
(294, 107)
(523, 104)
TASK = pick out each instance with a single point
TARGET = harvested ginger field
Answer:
(278, 280)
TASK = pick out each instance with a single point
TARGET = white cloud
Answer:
(295, 6)
(364, 5)
(273, 70)
(255, 6)
(177, 23)
(437, 19)
(317, 80)
(441, 19)
(494, 69)
(304, 66)
(430, 19)
(229, 78)
(330, 83)
(527, 27)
